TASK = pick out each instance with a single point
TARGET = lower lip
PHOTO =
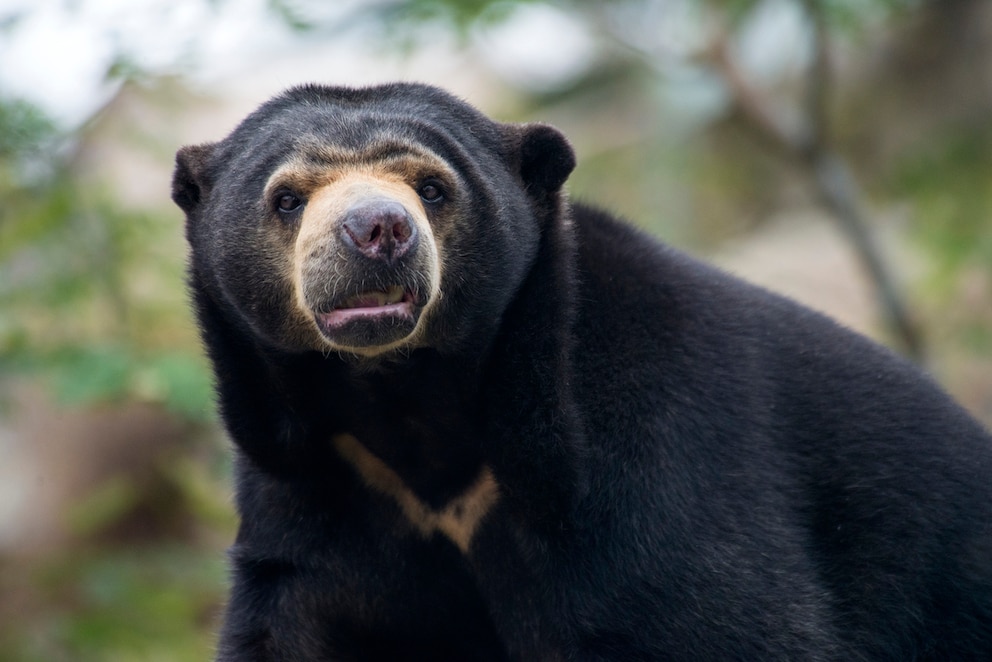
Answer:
(341, 316)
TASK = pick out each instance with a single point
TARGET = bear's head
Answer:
(363, 221)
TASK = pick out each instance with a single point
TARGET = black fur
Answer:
(690, 468)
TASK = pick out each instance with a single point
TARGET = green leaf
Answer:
(91, 375)
(291, 15)
(180, 381)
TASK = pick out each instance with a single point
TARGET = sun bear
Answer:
(475, 421)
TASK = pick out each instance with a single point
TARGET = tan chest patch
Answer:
(458, 520)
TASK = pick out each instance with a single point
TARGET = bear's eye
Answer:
(288, 203)
(431, 192)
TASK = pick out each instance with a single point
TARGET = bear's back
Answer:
(757, 429)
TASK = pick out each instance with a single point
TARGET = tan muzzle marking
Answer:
(327, 205)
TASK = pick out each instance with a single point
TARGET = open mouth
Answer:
(395, 302)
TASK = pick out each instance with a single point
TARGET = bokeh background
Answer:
(839, 151)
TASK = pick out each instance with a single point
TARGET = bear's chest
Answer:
(457, 518)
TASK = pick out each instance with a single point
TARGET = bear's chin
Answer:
(366, 330)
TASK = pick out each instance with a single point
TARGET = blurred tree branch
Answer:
(812, 147)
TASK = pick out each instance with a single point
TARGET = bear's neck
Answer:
(437, 419)
(421, 417)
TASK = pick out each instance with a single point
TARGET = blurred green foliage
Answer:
(25, 131)
(91, 296)
(949, 182)
(121, 592)
(463, 15)
(92, 305)
(155, 603)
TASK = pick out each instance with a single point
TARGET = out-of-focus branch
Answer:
(818, 84)
(811, 146)
(840, 194)
(747, 100)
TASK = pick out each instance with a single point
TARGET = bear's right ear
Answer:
(190, 181)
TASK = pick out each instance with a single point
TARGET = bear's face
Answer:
(365, 221)
(364, 265)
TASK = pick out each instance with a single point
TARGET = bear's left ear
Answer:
(546, 157)
(190, 181)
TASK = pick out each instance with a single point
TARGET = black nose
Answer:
(379, 229)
